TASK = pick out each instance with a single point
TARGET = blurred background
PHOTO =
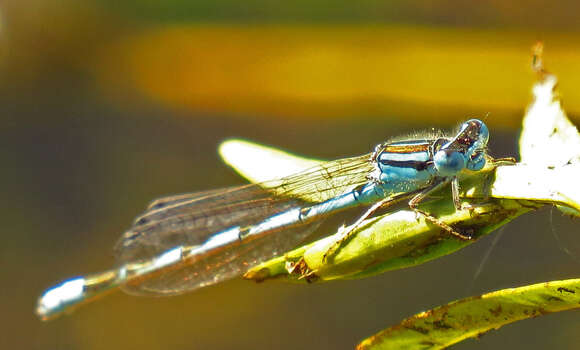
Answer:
(105, 105)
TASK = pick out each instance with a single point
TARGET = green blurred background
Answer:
(105, 105)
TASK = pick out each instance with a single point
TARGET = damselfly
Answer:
(188, 241)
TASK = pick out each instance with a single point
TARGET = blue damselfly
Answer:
(188, 241)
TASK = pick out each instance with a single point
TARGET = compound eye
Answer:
(478, 131)
(449, 162)
(476, 161)
(472, 131)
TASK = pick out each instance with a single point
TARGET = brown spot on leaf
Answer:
(497, 311)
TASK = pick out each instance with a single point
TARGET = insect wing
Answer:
(191, 220)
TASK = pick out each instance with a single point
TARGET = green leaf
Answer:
(387, 242)
(471, 317)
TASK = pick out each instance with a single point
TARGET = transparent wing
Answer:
(323, 182)
(189, 220)
(221, 264)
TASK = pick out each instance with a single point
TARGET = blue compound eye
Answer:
(483, 134)
(448, 162)
(474, 134)
(477, 162)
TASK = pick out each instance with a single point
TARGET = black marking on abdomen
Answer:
(304, 213)
(357, 192)
(244, 231)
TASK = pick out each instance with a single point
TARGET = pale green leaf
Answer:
(471, 317)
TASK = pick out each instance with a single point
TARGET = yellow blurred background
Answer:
(106, 105)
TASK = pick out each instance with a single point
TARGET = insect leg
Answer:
(347, 233)
(414, 203)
